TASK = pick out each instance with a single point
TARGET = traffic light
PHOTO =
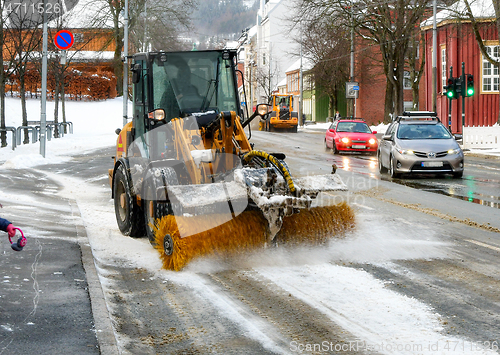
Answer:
(470, 85)
(451, 88)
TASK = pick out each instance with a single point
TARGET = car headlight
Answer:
(345, 140)
(454, 151)
(372, 141)
(405, 151)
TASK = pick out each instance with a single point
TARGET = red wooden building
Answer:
(456, 43)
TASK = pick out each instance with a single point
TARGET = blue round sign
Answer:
(64, 39)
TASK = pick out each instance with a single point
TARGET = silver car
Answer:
(418, 143)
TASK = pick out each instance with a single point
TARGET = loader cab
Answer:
(183, 84)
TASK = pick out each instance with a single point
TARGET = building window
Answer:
(407, 81)
(490, 79)
(78, 37)
(263, 58)
(444, 81)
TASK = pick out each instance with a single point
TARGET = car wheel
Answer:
(458, 175)
(381, 168)
(392, 170)
(335, 150)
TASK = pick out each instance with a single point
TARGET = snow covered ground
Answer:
(383, 320)
(94, 127)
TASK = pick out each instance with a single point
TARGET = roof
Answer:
(86, 14)
(481, 10)
(306, 65)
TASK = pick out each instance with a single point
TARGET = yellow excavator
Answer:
(186, 176)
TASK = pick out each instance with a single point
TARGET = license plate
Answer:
(357, 146)
(432, 164)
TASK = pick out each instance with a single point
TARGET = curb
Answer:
(102, 322)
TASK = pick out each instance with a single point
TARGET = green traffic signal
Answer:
(451, 89)
(470, 85)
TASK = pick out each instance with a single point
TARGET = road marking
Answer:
(363, 206)
(483, 244)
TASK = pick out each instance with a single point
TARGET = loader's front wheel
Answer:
(168, 245)
(155, 198)
(128, 213)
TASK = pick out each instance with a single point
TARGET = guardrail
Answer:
(13, 130)
(34, 136)
(33, 127)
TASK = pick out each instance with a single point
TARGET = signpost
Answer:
(352, 92)
(64, 40)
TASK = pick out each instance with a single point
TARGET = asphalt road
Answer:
(421, 237)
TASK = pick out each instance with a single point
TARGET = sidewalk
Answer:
(45, 307)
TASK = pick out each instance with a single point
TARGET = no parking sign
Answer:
(64, 40)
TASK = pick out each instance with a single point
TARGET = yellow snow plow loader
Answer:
(282, 115)
(186, 175)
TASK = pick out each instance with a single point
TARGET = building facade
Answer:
(457, 44)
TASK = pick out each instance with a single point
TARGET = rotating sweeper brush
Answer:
(186, 175)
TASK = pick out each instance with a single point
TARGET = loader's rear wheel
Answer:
(128, 213)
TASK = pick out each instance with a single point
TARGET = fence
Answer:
(481, 137)
(34, 128)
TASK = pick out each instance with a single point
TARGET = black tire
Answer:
(392, 171)
(381, 168)
(294, 129)
(128, 213)
(334, 149)
(458, 174)
(155, 202)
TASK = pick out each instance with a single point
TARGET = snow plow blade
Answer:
(275, 219)
(244, 233)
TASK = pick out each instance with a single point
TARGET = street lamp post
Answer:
(125, 64)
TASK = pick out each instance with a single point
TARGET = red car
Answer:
(350, 135)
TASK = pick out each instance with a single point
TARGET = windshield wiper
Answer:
(206, 101)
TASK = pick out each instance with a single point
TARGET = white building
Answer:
(276, 46)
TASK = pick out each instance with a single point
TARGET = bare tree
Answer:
(22, 37)
(3, 78)
(416, 67)
(328, 49)
(265, 77)
(388, 24)
(166, 15)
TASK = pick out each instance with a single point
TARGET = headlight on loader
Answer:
(157, 115)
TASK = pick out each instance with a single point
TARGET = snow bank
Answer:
(94, 125)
